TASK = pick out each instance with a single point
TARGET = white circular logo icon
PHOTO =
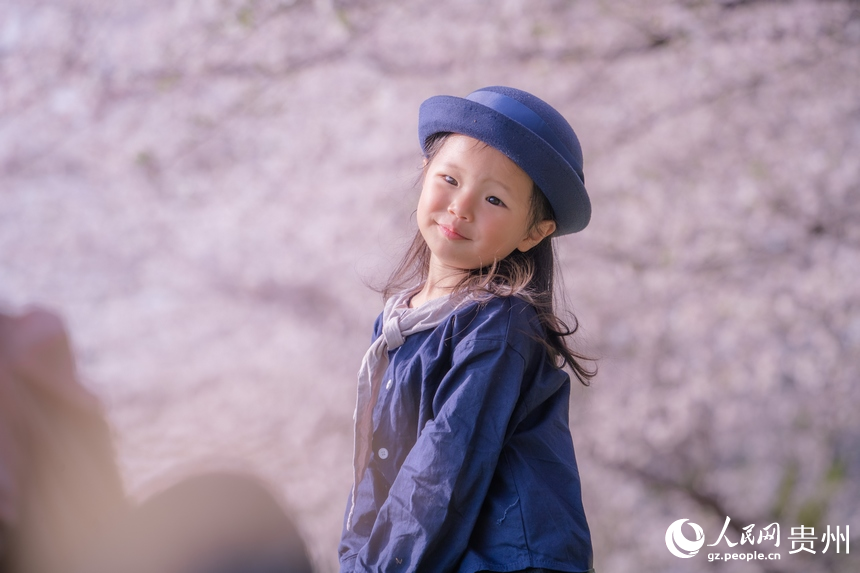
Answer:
(678, 543)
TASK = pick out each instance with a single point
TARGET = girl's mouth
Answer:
(450, 233)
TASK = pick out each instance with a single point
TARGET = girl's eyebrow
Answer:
(448, 164)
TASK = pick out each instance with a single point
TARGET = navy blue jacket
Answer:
(473, 465)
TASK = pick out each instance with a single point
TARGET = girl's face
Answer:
(475, 206)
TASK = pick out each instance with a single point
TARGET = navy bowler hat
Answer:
(530, 132)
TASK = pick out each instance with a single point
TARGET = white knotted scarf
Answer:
(398, 322)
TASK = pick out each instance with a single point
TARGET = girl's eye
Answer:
(449, 180)
(492, 200)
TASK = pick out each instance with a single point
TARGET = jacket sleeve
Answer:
(366, 509)
(427, 519)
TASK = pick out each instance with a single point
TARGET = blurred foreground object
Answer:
(60, 489)
(62, 504)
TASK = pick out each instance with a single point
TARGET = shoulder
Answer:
(377, 327)
(505, 320)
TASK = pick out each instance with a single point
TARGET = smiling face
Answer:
(475, 207)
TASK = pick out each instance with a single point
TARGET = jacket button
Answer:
(383, 453)
(388, 384)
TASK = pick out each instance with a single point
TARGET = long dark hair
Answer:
(528, 275)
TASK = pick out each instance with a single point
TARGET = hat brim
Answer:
(547, 168)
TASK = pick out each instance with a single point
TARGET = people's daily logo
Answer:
(685, 542)
(678, 543)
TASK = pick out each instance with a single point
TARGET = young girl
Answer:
(463, 454)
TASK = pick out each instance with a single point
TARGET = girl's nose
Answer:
(461, 205)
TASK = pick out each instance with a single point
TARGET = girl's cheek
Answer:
(438, 195)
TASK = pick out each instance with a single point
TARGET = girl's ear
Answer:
(541, 231)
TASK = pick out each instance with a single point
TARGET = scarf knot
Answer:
(391, 332)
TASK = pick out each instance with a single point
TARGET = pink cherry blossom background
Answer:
(207, 191)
